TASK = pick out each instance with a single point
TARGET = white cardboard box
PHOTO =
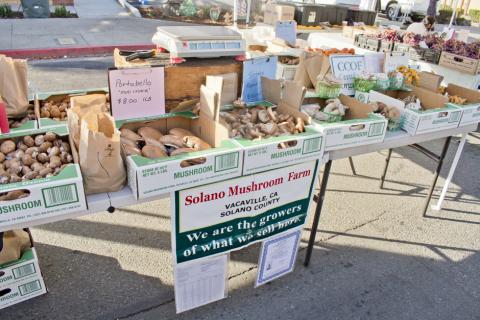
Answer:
(285, 71)
(360, 127)
(49, 197)
(471, 109)
(21, 279)
(263, 155)
(151, 177)
(276, 12)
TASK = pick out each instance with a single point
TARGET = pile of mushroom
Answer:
(332, 109)
(260, 122)
(41, 156)
(151, 143)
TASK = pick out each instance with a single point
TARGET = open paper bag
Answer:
(99, 154)
(14, 85)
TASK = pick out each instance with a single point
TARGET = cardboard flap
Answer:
(211, 131)
(429, 99)
(429, 81)
(301, 74)
(293, 94)
(209, 106)
(472, 96)
(356, 109)
(226, 85)
(315, 66)
(272, 90)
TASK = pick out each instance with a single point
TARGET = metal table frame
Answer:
(392, 140)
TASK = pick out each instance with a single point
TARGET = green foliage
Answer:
(5, 11)
(446, 8)
(187, 8)
(474, 14)
(61, 12)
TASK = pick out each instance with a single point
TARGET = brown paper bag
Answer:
(80, 106)
(14, 85)
(99, 154)
(12, 244)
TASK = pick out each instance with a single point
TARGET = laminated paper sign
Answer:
(137, 92)
(232, 214)
(253, 71)
(346, 67)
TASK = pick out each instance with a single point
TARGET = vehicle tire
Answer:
(390, 11)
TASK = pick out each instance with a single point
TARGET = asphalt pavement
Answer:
(375, 256)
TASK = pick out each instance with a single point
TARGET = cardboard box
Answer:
(40, 98)
(21, 279)
(151, 177)
(471, 110)
(276, 152)
(286, 71)
(436, 116)
(48, 197)
(460, 63)
(277, 12)
(22, 291)
(360, 127)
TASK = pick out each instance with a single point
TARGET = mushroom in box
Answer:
(466, 99)
(273, 133)
(177, 150)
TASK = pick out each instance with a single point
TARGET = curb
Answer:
(71, 51)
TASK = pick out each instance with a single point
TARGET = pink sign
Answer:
(137, 92)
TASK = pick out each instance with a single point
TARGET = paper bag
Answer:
(99, 154)
(14, 85)
(12, 244)
(80, 106)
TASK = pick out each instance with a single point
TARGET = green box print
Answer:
(226, 161)
(312, 145)
(24, 271)
(376, 129)
(60, 195)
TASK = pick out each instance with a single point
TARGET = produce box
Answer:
(360, 40)
(460, 63)
(372, 44)
(432, 56)
(151, 177)
(276, 12)
(360, 127)
(44, 198)
(285, 71)
(416, 53)
(19, 270)
(385, 46)
(57, 97)
(280, 151)
(471, 109)
(437, 116)
(21, 279)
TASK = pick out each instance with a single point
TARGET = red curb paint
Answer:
(72, 51)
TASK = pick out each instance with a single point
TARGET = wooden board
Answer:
(183, 81)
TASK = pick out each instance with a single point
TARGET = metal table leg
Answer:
(352, 166)
(387, 162)
(438, 206)
(318, 211)
(435, 176)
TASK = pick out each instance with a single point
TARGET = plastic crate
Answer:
(360, 41)
(307, 14)
(385, 46)
(432, 56)
(416, 53)
(372, 44)
(401, 47)
(341, 15)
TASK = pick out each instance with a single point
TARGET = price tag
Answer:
(137, 92)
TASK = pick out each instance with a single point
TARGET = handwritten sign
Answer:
(346, 67)
(137, 92)
(253, 70)
(286, 30)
